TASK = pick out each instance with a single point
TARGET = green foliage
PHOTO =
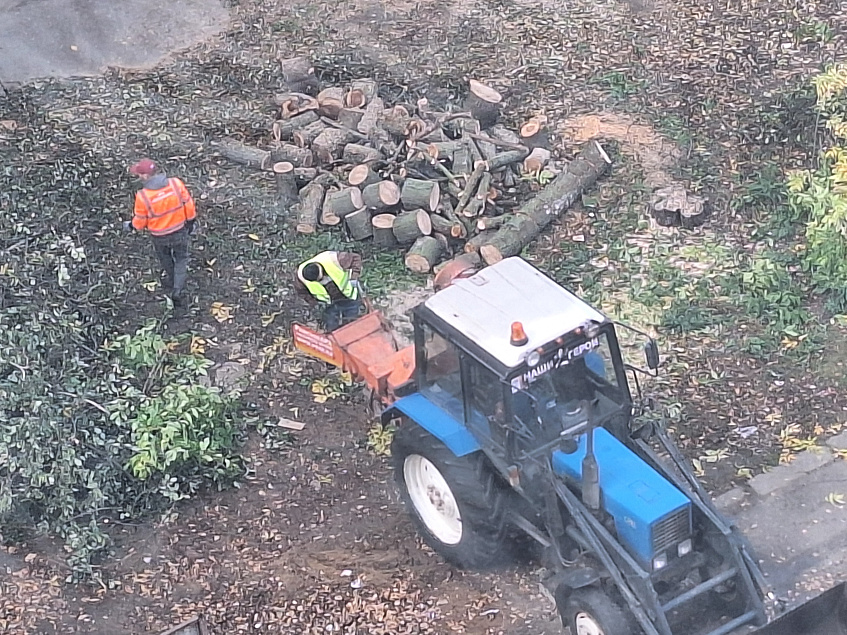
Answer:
(619, 84)
(767, 292)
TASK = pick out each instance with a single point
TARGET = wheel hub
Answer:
(433, 499)
(585, 624)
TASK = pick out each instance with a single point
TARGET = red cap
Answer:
(145, 167)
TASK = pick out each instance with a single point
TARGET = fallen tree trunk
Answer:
(311, 201)
(284, 129)
(249, 156)
(423, 254)
(526, 223)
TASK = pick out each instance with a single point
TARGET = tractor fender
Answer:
(569, 580)
(434, 420)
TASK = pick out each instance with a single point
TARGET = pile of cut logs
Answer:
(437, 184)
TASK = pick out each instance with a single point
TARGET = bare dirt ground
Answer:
(314, 540)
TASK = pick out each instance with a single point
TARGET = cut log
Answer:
(356, 153)
(311, 201)
(286, 184)
(470, 260)
(340, 203)
(395, 120)
(306, 136)
(417, 194)
(470, 187)
(462, 161)
(502, 133)
(444, 241)
(459, 227)
(362, 175)
(367, 88)
(298, 157)
(475, 154)
(350, 117)
(461, 125)
(477, 241)
(299, 76)
(506, 158)
(358, 224)
(370, 120)
(283, 130)
(329, 144)
(487, 148)
(447, 227)
(381, 196)
(330, 102)
(477, 204)
(383, 230)
(534, 134)
(293, 104)
(423, 254)
(249, 156)
(354, 98)
(491, 222)
(525, 224)
(536, 160)
(483, 102)
(305, 175)
(409, 226)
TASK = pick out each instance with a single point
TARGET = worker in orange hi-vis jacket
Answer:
(165, 209)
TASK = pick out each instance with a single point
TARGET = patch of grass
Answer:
(619, 84)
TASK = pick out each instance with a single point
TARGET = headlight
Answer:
(660, 561)
(684, 548)
(533, 358)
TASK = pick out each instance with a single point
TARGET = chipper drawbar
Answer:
(514, 419)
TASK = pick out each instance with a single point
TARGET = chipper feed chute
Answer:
(824, 615)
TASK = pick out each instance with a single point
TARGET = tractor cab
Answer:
(519, 360)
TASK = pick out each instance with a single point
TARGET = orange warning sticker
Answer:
(316, 344)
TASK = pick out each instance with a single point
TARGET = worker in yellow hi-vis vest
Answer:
(331, 279)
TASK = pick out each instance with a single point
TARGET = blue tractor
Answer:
(519, 427)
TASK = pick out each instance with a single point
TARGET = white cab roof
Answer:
(484, 306)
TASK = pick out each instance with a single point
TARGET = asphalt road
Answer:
(66, 38)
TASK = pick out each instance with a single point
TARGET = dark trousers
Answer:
(340, 313)
(172, 252)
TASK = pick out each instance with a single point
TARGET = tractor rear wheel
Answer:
(456, 502)
(589, 611)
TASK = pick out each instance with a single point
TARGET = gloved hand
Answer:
(127, 226)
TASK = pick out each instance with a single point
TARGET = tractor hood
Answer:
(650, 514)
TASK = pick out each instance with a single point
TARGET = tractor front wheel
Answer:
(456, 502)
(591, 612)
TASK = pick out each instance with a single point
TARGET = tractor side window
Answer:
(442, 376)
(599, 362)
(485, 398)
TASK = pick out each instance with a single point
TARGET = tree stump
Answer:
(381, 196)
(423, 254)
(409, 226)
(418, 194)
(358, 224)
(356, 153)
(330, 102)
(283, 130)
(362, 175)
(299, 76)
(329, 144)
(297, 156)
(383, 230)
(306, 135)
(534, 134)
(483, 102)
(673, 206)
(311, 201)
(286, 184)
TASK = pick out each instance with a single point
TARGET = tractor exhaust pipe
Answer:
(590, 470)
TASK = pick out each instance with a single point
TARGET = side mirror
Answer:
(651, 352)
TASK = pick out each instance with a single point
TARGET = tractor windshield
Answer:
(557, 390)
